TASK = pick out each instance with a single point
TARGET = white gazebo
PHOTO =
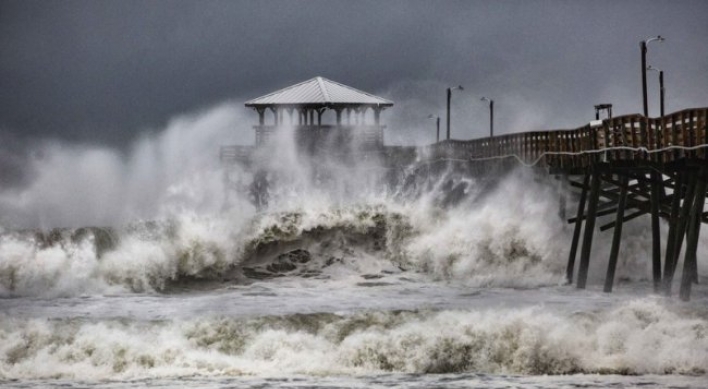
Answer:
(356, 114)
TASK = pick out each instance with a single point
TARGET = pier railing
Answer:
(623, 139)
(635, 138)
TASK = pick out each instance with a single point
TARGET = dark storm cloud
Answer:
(105, 71)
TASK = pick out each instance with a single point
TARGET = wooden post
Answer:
(670, 258)
(656, 184)
(694, 229)
(617, 236)
(578, 227)
(589, 228)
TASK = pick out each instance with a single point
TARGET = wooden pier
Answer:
(627, 166)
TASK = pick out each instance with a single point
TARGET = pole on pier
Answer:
(437, 134)
(449, 97)
(491, 118)
(491, 115)
(661, 91)
(589, 228)
(437, 125)
(694, 228)
(643, 48)
(617, 235)
(578, 227)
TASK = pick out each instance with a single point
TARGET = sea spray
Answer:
(158, 176)
(502, 239)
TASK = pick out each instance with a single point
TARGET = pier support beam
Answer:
(589, 228)
(691, 180)
(671, 241)
(656, 188)
(693, 231)
(576, 232)
(617, 236)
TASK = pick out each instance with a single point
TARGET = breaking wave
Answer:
(638, 337)
(503, 239)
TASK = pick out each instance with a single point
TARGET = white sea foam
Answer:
(638, 337)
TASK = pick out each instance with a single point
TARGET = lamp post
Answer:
(655, 178)
(449, 96)
(643, 48)
(437, 122)
(661, 87)
(491, 115)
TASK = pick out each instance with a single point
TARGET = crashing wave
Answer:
(639, 337)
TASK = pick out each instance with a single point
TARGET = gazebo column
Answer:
(290, 115)
(275, 115)
(319, 116)
(377, 115)
(339, 116)
(312, 117)
(261, 115)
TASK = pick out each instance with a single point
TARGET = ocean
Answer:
(340, 282)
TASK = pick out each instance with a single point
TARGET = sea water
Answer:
(343, 282)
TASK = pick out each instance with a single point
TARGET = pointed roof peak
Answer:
(318, 91)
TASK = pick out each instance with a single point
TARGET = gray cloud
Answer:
(103, 72)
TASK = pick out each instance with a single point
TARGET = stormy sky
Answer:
(103, 72)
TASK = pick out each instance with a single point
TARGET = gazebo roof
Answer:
(321, 92)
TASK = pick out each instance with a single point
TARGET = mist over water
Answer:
(75, 185)
(143, 265)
